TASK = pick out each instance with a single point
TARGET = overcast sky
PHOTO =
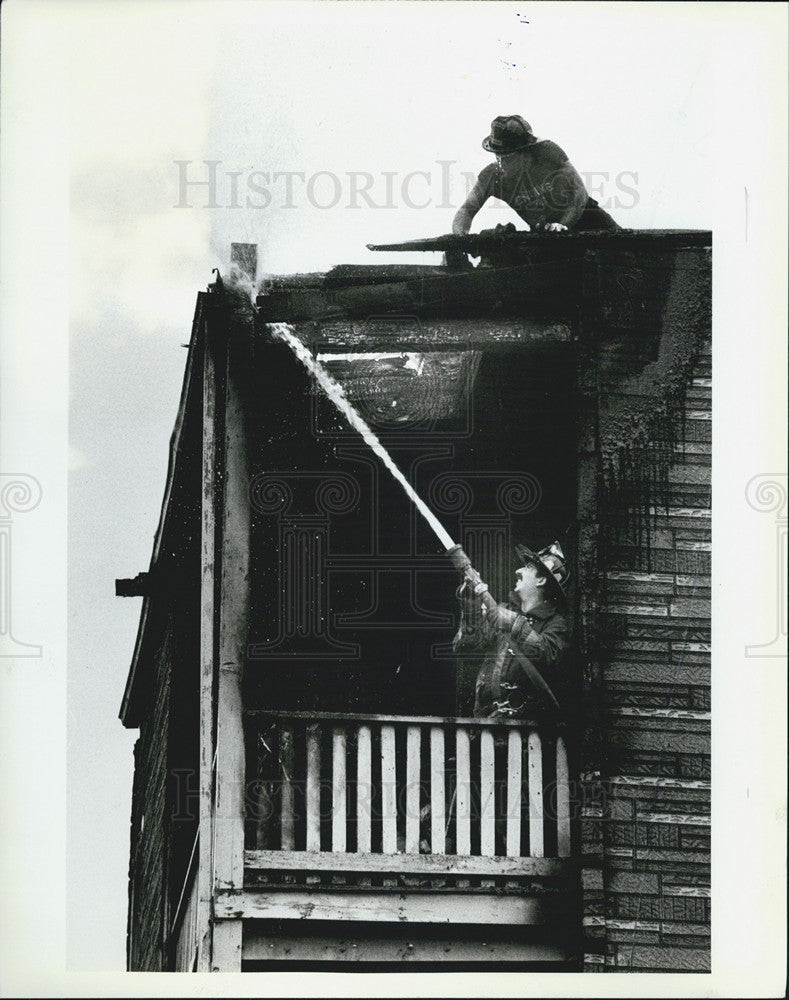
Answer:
(372, 116)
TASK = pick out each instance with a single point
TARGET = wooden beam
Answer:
(434, 907)
(271, 946)
(207, 648)
(234, 602)
(411, 864)
(405, 334)
(416, 720)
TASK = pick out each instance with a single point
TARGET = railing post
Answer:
(339, 793)
(536, 814)
(437, 792)
(514, 792)
(287, 815)
(388, 790)
(412, 776)
(487, 793)
(463, 785)
(364, 790)
(313, 788)
(562, 799)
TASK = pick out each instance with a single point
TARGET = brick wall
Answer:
(645, 821)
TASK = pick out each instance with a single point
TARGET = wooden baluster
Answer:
(536, 812)
(265, 835)
(313, 788)
(412, 776)
(287, 819)
(562, 799)
(364, 790)
(339, 792)
(388, 790)
(487, 793)
(463, 802)
(438, 819)
(514, 792)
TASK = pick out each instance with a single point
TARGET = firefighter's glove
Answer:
(469, 594)
(502, 618)
(465, 594)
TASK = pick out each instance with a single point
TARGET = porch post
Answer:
(207, 641)
(233, 622)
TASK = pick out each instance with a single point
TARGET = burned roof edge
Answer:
(129, 710)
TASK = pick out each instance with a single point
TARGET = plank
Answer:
(514, 792)
(437, 791)
(487, 794)
(418, 864)
(536, 811)
(388, 790)
(463, 805)
(313, 790)
(207, 650)
(419, 907)
(562, 799)
(234, 604)
(287, 804)
(412, 779)
(226, 952)
(429, 334)
(339, 804)
(400, 947)
(364, 789)
(469, 722)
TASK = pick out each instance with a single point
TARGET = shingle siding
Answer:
(150, 825)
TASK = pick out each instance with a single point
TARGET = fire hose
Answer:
(458, 558)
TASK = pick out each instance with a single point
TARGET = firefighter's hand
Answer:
(553, 227)
(502, 618)
(465, 595)
(502, 230)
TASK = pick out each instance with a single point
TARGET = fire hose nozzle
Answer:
(458, 558)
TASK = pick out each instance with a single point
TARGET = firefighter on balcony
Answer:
(528, 633)
(536, 179)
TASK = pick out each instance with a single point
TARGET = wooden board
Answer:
(207, 651)
(417, 864)
(382, 334)
(444, 908)
(270, 946)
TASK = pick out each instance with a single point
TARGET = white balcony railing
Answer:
(394, 785)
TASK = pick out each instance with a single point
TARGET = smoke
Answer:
(284, 332)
